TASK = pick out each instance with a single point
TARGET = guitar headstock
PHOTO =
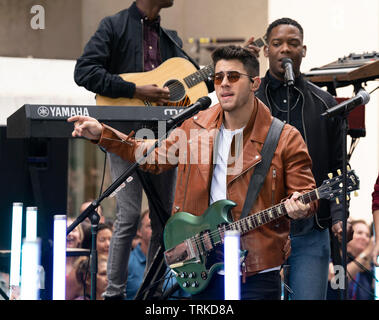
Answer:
(333, 187)
(260, 42)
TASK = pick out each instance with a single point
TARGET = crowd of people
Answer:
(78, 280)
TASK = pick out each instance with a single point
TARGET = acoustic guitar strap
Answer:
(180, 48)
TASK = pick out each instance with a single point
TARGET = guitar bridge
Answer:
(178, 255)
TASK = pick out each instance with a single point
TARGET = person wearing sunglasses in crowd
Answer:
(239, 119)
(310, 238)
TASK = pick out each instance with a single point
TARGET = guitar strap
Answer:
(180, 48)
(260, 172)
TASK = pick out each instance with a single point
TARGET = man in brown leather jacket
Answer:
(236, 128)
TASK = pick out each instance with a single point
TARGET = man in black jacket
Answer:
(309, 260)
(131, 41)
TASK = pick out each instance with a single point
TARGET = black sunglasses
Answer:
(233, 76)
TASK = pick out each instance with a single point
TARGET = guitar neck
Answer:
(199, 76)
(258, 219)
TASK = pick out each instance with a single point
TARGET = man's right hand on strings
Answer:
(153, 93)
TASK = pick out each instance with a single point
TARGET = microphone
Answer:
(201, 104)
(362, 97)
(289, 76)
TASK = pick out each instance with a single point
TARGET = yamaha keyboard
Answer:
(49, 121)
(351, 69)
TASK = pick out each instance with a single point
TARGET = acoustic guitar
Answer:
(185, 83)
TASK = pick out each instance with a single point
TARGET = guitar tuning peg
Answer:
(330, 175)
(337, 201)
(348, 168)
(355, 193)
(347, 198)
(339, 172)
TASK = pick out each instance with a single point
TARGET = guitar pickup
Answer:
(178, 255)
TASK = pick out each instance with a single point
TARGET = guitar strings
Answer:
(263, 214)
(176, 89)
(177, 85)
(198, 240)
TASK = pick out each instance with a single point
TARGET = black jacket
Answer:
(117, 47)
(323, 137)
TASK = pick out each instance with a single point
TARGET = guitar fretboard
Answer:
(199, 76)
(258, 219)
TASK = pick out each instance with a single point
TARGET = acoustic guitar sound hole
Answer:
(177, 90)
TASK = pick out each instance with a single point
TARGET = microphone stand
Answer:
(286, 268)
(95, 218)
(344, 115)
(90, 212)
(289, 81)
(288, 103)
(344, 291)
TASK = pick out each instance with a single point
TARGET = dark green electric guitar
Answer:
(194, 244)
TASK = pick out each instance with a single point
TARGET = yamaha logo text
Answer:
(62, 112)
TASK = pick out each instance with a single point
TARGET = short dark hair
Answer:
(281, 21)
(232, 52)
(102, 226)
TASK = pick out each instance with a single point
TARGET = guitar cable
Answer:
(156, 281)
(362, 267)
(104, 169)
(360, 286)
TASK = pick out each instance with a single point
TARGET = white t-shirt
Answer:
(218, 185)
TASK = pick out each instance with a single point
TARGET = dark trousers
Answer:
(262, 286)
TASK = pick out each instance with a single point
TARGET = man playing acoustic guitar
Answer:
(235, 129)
